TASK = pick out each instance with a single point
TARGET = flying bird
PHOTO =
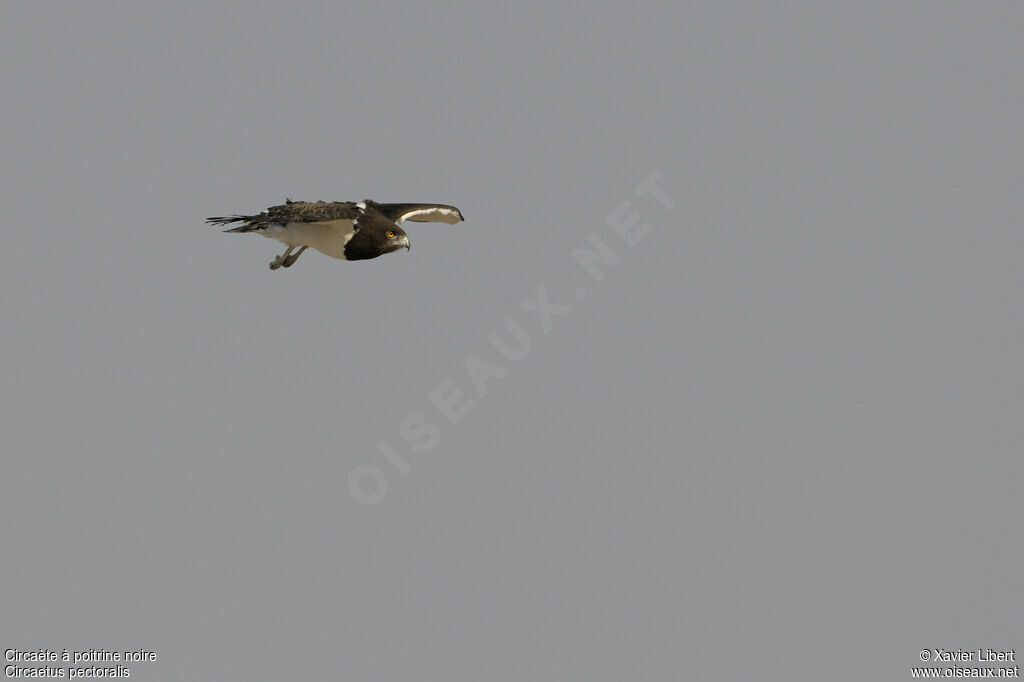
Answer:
(339, 229)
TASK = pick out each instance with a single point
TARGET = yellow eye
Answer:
(391, 235)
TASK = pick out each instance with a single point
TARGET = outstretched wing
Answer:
(291, 212)
(419, 213)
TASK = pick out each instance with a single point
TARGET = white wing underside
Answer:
(436, 214)
(328, 237)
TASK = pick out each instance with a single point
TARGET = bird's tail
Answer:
(248, 222)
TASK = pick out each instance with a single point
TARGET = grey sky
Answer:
(780, 438)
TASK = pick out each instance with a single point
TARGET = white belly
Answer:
(328, 237)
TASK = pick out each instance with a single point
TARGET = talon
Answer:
(282, 259)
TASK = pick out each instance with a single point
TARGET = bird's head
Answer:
(376, 239)
(393, 239)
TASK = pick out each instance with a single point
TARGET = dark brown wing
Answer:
(291, 212)
(419, 213)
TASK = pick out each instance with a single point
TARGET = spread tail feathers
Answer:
(227, 220)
